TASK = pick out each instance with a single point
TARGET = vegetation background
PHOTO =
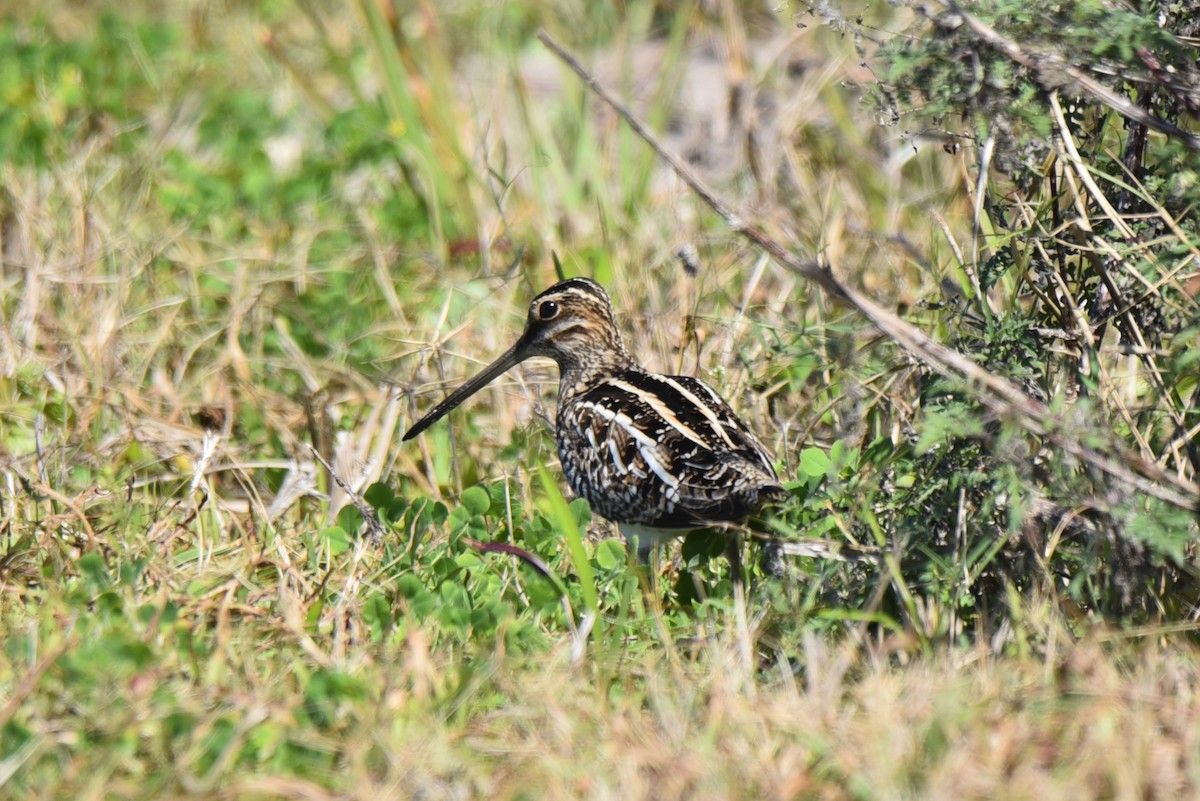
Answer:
(230, 231)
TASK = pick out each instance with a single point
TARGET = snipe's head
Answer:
(572, 322)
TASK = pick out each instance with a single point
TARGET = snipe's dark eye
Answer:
(548, 310)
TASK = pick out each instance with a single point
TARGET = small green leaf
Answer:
(476, 500)
(459, 517)
(379, 495)
(396, 509)
(335, 539)
(467, 560)
(583, 513)
(422, 604)
(814, 462)
(453, 594)
(610, 554)
(350, 519)
(409, 585)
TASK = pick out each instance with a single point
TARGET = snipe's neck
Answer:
(583, 368)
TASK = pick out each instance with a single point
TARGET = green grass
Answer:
(229, 232)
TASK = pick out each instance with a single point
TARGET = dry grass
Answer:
(179, 616)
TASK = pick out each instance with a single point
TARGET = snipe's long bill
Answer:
(656, 454)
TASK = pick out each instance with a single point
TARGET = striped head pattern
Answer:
(573, 323)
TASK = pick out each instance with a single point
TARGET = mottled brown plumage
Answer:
(656, 454)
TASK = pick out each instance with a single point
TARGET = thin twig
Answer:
(370, 517)
(997, 394)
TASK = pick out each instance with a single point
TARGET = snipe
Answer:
(658, 455)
